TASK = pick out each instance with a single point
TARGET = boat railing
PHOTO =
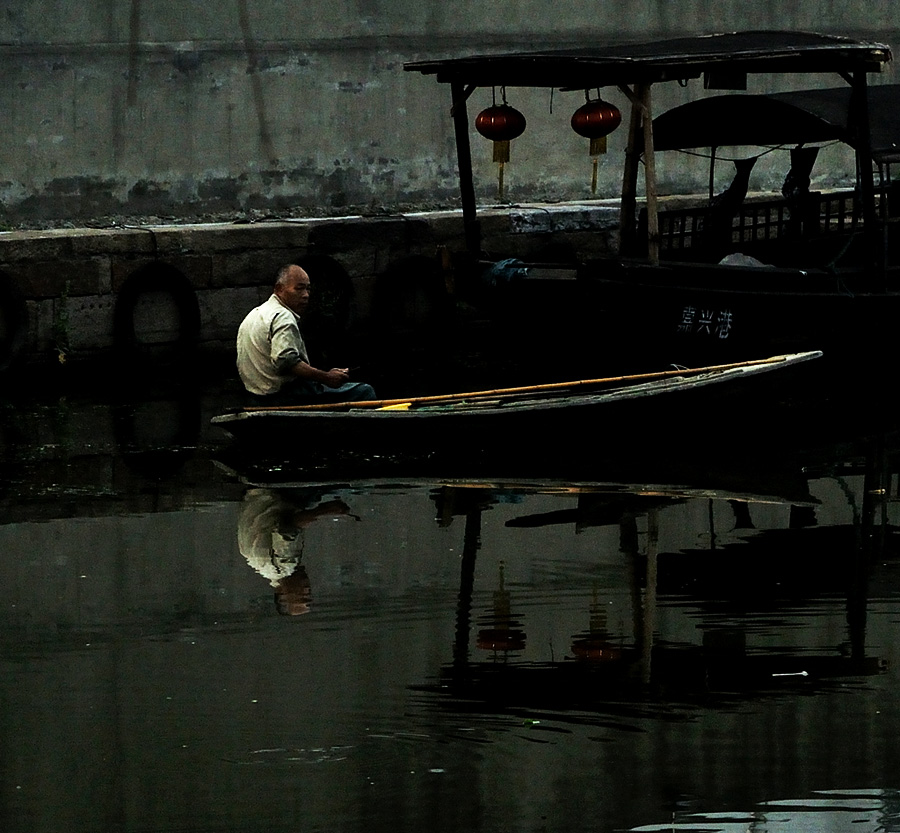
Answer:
(756, 224)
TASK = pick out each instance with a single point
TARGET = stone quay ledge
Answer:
(82, 294)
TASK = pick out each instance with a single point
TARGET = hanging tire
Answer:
(326, 322)
(174, 287)
(411, 296)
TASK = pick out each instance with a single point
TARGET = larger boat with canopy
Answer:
(730, 275)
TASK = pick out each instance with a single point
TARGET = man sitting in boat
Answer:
(271, 356)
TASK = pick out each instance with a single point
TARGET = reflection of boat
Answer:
(731, 276)
(621, 405)
(641, 673)
(763, 479)
(615, 682)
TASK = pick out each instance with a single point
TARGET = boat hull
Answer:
(697, 314)
(719, 411)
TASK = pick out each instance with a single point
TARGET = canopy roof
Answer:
(681, 58)
(794, 118)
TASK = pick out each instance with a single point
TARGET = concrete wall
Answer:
(175, 109)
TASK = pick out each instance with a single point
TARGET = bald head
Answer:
(292, 287)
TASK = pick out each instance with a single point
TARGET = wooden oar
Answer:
(552, 386)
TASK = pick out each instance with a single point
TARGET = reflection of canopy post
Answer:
(640, 134)
(648, 620)
(871, 543)
(459, 111)
(643, 604)
(471, 545)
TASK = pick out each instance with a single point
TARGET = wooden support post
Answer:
(650, 178)
(640, 137)
(859, 116)
(460, 115)
(628, 206)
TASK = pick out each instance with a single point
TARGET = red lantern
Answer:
(500, 123)
(595, 121)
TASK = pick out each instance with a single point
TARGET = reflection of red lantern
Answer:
(503, 632)
(595, 121)
(500, 123)
(595, 650)
(501, 639)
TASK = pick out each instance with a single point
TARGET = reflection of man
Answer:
(270, 537)
(272, 360)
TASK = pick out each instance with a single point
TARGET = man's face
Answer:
(295, 293)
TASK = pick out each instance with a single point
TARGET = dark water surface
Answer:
(187, 650)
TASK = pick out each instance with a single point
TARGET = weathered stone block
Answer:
(85, 323)
(393, 231)
(40, 326)
(563, 218)
(222, 310)
(111, 241)
(197, 268)
(252, 267)
(50, 279)
(232, 237)
(34, 245)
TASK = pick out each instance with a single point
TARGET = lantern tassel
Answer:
(501, 151)
(501, 157)
(598, 146)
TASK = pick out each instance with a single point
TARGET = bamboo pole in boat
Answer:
(545, 388)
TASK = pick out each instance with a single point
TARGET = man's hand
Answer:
(336, 377)
(333, 378)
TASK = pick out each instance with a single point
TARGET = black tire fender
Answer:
(156, 277)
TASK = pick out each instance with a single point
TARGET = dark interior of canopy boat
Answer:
(801, 228)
